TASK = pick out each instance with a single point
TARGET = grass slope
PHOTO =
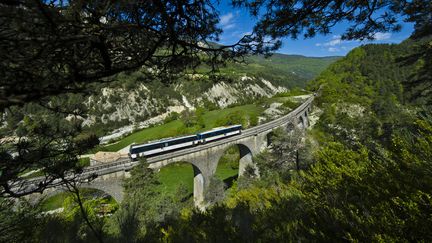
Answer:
(172, 175)
(57, 201)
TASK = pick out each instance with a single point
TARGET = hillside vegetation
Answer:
(133, 97)
(363, 173)
(369, 180)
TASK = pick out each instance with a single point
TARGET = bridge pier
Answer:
(245, 159)
(199, 186)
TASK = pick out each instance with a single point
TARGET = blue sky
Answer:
(237, 22)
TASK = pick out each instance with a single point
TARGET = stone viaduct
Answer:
(203, 158)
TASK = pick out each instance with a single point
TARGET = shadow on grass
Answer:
(230, 181)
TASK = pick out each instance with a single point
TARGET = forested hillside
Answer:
(368, 180)
(356, 167)
(364, 172)
(374, 70)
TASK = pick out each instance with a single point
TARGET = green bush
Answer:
(253, 120)
(172, 117)
(290, 104)
(234, 118)
(189, 118)
(209, 105)
(182, 130)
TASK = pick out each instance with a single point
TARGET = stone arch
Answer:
(269, 138)
(199, 180)
(231, 172)
(112, 187)
(62, 189)
(47, 193)
(301, 122)
(290, 127)
(245, 157)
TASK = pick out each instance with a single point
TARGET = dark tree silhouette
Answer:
(54, 47)
(280, 18)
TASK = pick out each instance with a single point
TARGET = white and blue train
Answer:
(163, 146)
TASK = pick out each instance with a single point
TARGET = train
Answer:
(171, 144)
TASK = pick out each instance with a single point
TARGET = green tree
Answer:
(189, 118)
(233, 118)
(200, 111)
(45, 140)
(146, 206)
(18, 223)
(215, 192)
(282, 156)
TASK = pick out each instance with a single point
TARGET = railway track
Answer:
(126, 164)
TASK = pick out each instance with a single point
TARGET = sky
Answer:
(235, 23)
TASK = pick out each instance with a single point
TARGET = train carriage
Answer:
(162, 146)
(219, 133)
(158, 147)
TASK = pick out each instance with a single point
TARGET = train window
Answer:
(181, 140)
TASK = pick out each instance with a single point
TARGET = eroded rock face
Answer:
(139, 125)
(144, 105)
(273, 110)
(141, 104)
(224, 94)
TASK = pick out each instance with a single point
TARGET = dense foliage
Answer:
(51, 48)
(370, 178)
(279, 18)
(39, 138)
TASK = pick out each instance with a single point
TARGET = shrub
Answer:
(293, 92)
(232, 119)
(290, 104)
(253, 120)
(215, 193)
(189, 118)
(209, 105)
(172, 117)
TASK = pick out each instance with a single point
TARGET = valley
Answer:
(215, 121)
